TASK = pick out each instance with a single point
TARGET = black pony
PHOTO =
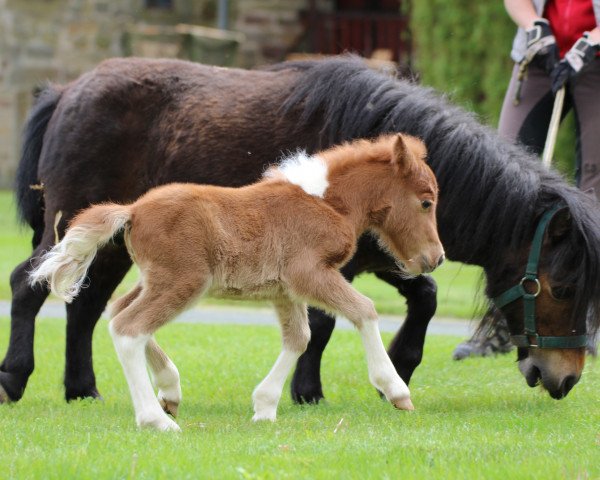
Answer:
(132, 124)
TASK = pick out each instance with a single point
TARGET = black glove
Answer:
(581, 54)
(541, 46)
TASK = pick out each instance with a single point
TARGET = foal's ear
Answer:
(402, 155)
(560, 225)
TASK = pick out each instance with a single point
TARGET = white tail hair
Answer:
(64, 268)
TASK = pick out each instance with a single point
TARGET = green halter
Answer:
(530, 338)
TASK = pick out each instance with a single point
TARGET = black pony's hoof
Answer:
(11, 387)
(80, 394)
(311, 395)
(4, 398)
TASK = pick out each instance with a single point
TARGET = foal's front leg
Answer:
(329, 289)
(406, 349)
(295, 334)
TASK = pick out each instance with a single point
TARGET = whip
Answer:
(559, 100)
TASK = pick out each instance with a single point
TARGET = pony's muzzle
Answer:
(553, 371)
(563, 388)
(441, 260)
(430, 264)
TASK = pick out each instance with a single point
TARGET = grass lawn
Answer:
(457, 283)
(474, 419)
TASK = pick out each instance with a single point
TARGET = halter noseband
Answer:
(518, 291)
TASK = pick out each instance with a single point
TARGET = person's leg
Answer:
(586, 105)
(527, 121)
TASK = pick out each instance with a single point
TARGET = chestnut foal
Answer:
(282, 239)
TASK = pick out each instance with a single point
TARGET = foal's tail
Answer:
(64, 267)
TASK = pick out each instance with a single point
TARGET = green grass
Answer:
(474, 419)
(457, 283)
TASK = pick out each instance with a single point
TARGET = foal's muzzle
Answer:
(428, 266)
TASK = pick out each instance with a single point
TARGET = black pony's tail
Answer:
(28, 190)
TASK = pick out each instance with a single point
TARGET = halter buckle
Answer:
(535, 338)
(537, 283)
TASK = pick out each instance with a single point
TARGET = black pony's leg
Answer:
(105, 274)
(306, 382)
(18, 363)
(406, 349)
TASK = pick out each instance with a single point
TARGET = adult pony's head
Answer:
(401, 196)
(493, 195)
(546, 302)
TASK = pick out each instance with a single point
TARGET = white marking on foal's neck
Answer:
(308, 172)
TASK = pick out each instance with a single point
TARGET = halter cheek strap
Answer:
(530, 337)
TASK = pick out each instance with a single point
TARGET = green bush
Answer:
(463, 48)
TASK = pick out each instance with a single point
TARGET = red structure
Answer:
(363, 27)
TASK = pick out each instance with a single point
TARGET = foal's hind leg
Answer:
(123, 302)
(130, 338)
(295, 335)
(165, 377)
(132, 329)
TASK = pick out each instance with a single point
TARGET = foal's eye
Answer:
(426, 204)
(563, 292)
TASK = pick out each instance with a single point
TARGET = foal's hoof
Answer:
(403, 404)
(169, 407)
(264, 416)
(162, 423)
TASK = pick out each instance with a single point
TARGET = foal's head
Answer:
(405, 215)
(401, 195)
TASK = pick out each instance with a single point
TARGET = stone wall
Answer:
(51, 40)
(271, 28)
(57, 40)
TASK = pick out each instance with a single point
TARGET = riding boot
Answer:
(490, 338)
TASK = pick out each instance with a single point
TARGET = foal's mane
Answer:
(492, 192)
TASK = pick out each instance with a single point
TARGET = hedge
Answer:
(462, 48)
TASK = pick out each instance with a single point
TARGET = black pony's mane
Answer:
(498, 189)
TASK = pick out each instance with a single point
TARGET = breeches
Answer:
(528, 122)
